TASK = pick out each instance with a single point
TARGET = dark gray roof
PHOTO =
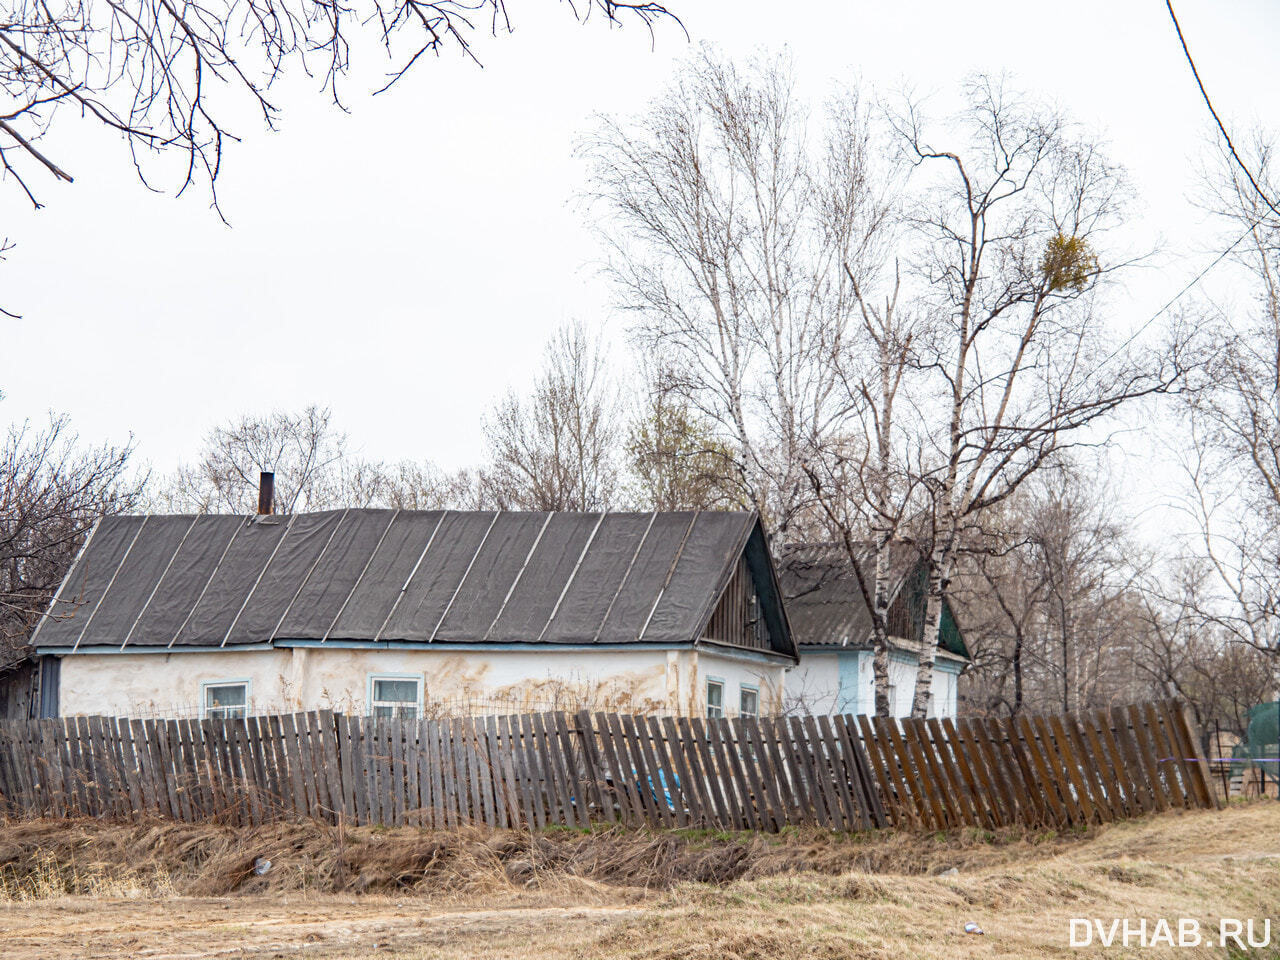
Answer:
(401, 575)
(823, 601)
(826, 608)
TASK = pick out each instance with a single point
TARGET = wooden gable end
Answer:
(737, 618)
(906, 614)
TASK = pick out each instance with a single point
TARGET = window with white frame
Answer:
(715, 698)
(748, 701)
(226, 699)
(393, 696)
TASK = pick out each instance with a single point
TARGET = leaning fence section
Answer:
(560, 769)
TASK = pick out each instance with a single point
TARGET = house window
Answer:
(226, 699)
(715, 698)
(748, 701)
(399, 697)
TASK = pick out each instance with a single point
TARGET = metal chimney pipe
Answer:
(266, 492)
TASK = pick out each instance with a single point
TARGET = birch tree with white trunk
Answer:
(867, 484)
(730, 221)
(1015, 205)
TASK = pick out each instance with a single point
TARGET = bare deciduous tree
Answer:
(865, 485)
(412, 485)
(1011, 227)
(1050, 593)
(730, 224)
(558, 448)
(304, 450)
(675, 460)
(52, 489)
(1233, 460)
(313, 468)
(168, 76)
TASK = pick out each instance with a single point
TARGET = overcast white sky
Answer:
(405, 263)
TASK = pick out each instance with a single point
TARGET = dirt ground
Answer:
(888, 897)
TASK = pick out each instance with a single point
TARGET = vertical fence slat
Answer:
(773, 813)
(1135, 732)
(910, 800)
(499, 760)
(938, 748)
(1056, 769)
(1165, 756)
(881, 769)
(509, 727)
(905, 738)
(1197, 765)
(965, 758)
(750, 817)
(1135, 800)
(531, 770)
(594, 766)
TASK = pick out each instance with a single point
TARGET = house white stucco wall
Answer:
(842, 682)
(333, 677)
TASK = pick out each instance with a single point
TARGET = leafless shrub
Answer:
(558, 448)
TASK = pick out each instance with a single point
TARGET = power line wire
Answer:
(1230, 146)
(1209, 103)
(1178, 296)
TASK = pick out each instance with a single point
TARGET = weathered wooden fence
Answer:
(535, 770)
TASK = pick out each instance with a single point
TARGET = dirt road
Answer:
(324, 927)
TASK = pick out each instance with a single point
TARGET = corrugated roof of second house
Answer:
(387, 575)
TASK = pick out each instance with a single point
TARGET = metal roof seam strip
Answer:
(57, 594)
(670, 573)
(205, 589)
(568, 583)
(625, 575)
(365, 569)
(520, 573)
(465, 573)
(154, 590)
(261, 573)
(98, 606)
(310, 570)
(412, 573)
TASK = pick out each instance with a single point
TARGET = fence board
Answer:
(1134, 734)
(1056, 765)
(1168, 758)
(965, 757)
(1137, 798)
(941, 758)
(483, 767)
(910, 801)
(535, 770)
(783, 803)
(717, 786)
(1000, 797)
(1197, 766)
(855, 748)
(674, 785)
(509, 728)
(1089, 769)
(749, 814)
(1094, 770)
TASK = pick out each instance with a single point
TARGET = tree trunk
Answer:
(880, 633)
(1017, 671)
(929, 650)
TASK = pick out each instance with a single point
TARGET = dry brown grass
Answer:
(619, 895)
(58, 858)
